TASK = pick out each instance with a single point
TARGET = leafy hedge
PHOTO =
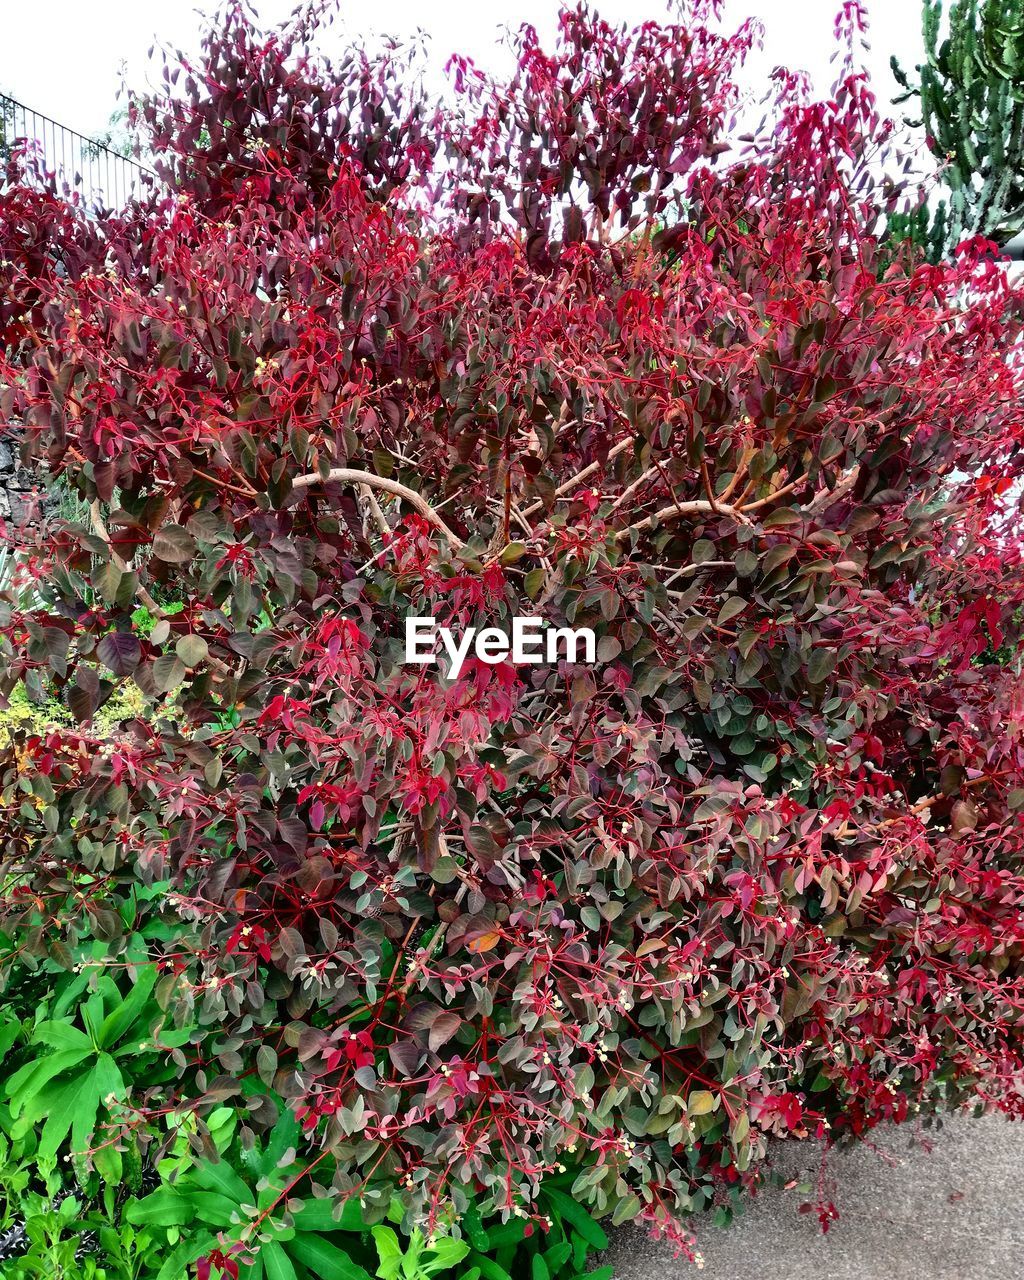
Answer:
(444, 953)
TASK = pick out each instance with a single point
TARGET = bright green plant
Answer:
(241, 1199)
(251, 1209)
(78, 1059)
(417, 1258)
(63, 1241)
(23, 715)
(15, 1178)
(52, 1242)
(125, 1253)
(46, 1236)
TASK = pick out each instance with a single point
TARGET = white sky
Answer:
(64, 57)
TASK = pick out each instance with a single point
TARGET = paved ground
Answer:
(950, 1214)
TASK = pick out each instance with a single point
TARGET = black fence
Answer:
(77, 166)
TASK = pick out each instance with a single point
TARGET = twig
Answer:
(823, 500)
(696, 507)
(580, 476)
(347, 475)
(919, 806)
(707, 485)
(375, 511)
(689, 569)
(628, 492)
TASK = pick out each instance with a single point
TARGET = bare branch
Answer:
(375, 511)
(697, 507)
(580, 476)
(628, 492)
(347, 475)
(823, 500)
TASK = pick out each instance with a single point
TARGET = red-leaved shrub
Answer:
(564, 347)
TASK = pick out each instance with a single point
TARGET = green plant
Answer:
(74, 1077)
(246, 1197)
(415, 1257)
(252, 1207)
(62, 1236)
(554, 1246)
(21, 715)
(971, 96)
(71, 1241)
(52, 1242)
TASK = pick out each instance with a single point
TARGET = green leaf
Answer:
(700, 1103)
(702, 550)
(513, 552)
(109, 1164)
(168, 672)
(9, 1033)
(285, 1135)
(174, 545)
(62, 1104)
(193, 1247)
(318, 1215)
(447, 1253)
(108, 1078)
(219, 1176)
(27, 1081)
(120, 1019)
(276, 1262)
(389, 1251)
(62, 1035)
(87, 1102)
(821, 665)
(510, 1232)
(627, 1208)
(488, 1268)
(211, 1207)
(192, 650)
(578, 1218)
(325, 1260)
(167, 1039)
(558, 1255)
(165, 1207)
(92, 1012)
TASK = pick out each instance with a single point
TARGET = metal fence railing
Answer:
(99, 175)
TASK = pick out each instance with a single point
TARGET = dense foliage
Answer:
(568, 348)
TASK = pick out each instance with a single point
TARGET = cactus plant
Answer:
(971, 95)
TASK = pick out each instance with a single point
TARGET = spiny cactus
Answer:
(971, 93)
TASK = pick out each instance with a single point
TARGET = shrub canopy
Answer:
(563, 346)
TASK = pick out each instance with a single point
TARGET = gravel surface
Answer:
(951, 1213)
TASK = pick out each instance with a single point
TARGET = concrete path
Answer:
(953, 1213)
